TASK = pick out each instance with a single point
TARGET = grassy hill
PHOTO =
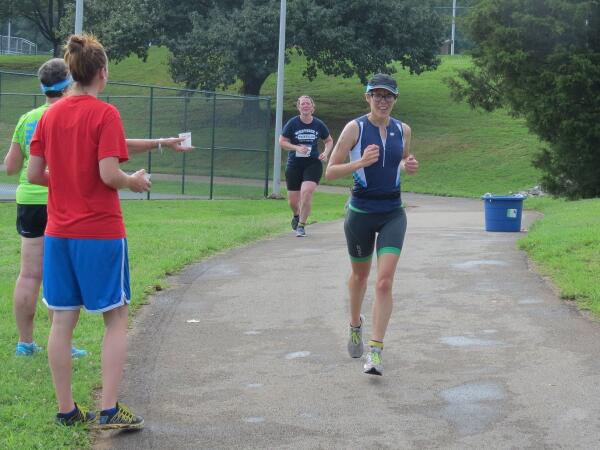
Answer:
(462, 152)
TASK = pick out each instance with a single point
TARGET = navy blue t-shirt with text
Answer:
(300, 133)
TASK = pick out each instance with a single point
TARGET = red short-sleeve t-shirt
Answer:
(73, 135)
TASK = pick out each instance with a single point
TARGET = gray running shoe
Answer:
(295, 221)
(374, 363)
(300, 231)
(355, 343)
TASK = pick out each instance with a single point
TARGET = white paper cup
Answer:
(188, 138)
(304, 155)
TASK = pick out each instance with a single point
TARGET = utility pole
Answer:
(453, 27)
(279, 107)
(78, 16)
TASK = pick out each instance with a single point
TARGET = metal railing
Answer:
(230, 133)
(11, 45)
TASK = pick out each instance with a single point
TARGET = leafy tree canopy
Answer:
(45, 15)
(361, 37)
(541, 60)
(214, 43)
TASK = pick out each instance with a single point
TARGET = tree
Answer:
(214, 43)
(359, 37)
(123, 27)
(228, 44)
(46, 15)
(541, 60)
(340, 37)
(127, 28)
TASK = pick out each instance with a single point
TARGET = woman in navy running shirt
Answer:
(304, 167)
(378, 146)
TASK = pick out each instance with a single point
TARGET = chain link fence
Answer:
(230, 133)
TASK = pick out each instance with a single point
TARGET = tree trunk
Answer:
(251, 112)
(251, 84)
(56, 48)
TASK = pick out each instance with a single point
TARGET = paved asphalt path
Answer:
(248, 349)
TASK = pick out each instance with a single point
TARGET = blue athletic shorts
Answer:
(93, 273)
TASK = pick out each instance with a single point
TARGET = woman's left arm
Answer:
(328, 148)
(135, 146)
(409, 163)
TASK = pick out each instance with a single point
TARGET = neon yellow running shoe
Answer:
(81, 415)
(123, 419)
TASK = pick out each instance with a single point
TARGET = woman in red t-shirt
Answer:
(81, 140)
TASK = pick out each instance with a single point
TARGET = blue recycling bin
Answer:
(503, 212)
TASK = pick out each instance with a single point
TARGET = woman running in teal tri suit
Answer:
(378, 146)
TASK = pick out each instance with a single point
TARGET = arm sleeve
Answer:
(112, 138)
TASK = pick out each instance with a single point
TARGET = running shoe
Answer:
(25, 349)
(123, 419)
(300, 231)
(82, 415)
(374, 364)
(295, 221)
(355, 343)
(78, 352)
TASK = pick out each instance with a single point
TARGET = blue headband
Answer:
(57, 87)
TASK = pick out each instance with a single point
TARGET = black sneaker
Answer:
(295, 221)
(82, 415)
(123, 419)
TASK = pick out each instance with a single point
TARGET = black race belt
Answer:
(376, 195)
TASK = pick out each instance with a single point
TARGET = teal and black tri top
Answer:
(377, 187)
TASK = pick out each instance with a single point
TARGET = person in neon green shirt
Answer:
(31, 208)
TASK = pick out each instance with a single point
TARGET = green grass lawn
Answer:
(163, 238)
(189, 186)
(565, 245)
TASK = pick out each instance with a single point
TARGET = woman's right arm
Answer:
(286, 144)
(337, 166)
(112, 175)
(14, 159)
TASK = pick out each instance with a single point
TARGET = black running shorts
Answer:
(364, 230)
(311, 170)
(31, 220)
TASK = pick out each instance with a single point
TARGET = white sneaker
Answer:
(374, 363)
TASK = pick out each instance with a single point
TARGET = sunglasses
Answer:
(379, 97)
